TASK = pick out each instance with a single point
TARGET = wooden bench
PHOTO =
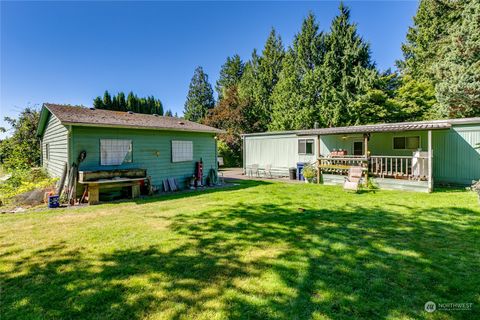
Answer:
(94, 187)
(94, 180)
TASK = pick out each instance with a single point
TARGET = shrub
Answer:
(231, 156)
(24, 180)
(309, 172)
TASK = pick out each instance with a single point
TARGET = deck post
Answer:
(318, 159)
(430, 155)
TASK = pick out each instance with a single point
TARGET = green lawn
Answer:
(246, 252)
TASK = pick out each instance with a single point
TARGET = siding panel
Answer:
(56, 135)
(151, 150)
(455, 158)
(280, 151)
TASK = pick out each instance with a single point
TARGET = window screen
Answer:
(413, 142)
(399, 143)
(114, 152)
(406, 142)
(305, 146)
(182, 151)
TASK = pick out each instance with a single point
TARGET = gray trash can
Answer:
(292, 173)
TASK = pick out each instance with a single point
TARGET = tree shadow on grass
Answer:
(232, 185)
(263, 261)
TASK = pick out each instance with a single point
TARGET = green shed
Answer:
(167, 147)
(407, 155)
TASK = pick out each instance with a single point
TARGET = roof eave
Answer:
(82, 124)
(42, 122)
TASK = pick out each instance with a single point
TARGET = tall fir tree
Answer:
(425, 38)
(131, 102)
(457, 73)
(122, 104)
(230, 74)
(107, 100)
(295, 97)
(199, 98)
(98, 103)
(259, 80)
(347, 72)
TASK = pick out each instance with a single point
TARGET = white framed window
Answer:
(305, 146)
(406, 143)
(182, 151)
(114, 152)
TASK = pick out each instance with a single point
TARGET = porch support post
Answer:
(430, 155)
(365, 154)
(318, 160)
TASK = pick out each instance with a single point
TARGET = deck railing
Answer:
(340, 165)
(398, 167)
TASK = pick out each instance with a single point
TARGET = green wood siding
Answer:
(380, 144)
(455, 159)
(151, 151)
(56, 136)
(280, 151)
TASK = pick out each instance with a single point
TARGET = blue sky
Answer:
(70, 52)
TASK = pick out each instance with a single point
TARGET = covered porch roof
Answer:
(384, 127)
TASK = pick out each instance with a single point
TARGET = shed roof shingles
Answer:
(98, 117)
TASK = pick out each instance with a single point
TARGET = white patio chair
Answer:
(268, 171)
(254, 170)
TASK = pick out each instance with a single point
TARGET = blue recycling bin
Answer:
(300, 166)
(53, 201)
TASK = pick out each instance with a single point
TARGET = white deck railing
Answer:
(399, 167)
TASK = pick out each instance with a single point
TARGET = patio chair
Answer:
(268, 171)
(253, 170)
(352, 182)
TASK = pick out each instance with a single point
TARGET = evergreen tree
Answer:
(259, 80)
(131, 102)
(98, 103)
(347, 72)
(425, 37)
(168, 113)
(295, 97)
(230, 74)
(457, 73)
(415, 99)
(107, 101)
(122, 104)
(199, 97)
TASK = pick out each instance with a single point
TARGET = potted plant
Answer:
(309, 173)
